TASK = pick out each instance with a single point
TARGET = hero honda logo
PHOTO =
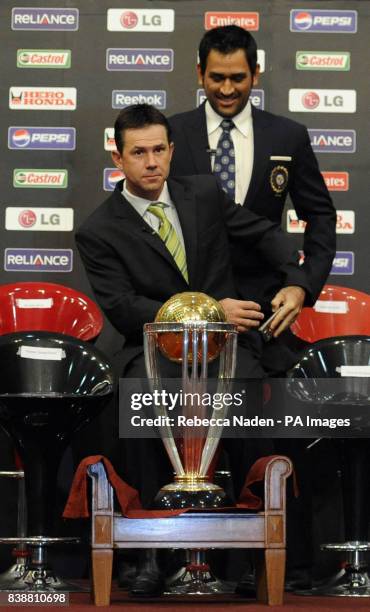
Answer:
(333, 141)
(36, 18)
(38, 260)
(248, 21)
(345, 222)
(323, 20)
(140, 20)
(39, 219)
(45, 98)
(42, 138)
(140, 60)
(125, 97)
(322, 100)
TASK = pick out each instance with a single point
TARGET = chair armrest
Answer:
(277, 471)
(102, 491)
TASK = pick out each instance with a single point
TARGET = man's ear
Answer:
(172, 148)
(256, 75)
(200, 75)
(117, 159)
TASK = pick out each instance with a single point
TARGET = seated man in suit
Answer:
(134, 267)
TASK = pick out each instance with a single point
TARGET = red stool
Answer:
(337, 329)
(31, 306)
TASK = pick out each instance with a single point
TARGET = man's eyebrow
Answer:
(230, 76)
(144, 148)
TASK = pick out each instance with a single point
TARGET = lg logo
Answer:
(27, 218)
(310, 100)
(129, 20)
(141, 20)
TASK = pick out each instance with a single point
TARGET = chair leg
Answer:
(102, 563)
(270, 568)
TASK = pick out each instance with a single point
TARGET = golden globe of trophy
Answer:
(191, 329)
(185, 308)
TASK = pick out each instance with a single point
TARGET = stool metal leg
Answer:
(11, 576)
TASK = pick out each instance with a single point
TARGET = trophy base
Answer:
(196, 578)
(191, 494)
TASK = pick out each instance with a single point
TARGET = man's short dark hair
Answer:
(228, 39)
(135, 117)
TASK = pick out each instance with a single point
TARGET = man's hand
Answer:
(291, 300)
(246, 315)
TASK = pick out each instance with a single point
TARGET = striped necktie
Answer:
(170, 238)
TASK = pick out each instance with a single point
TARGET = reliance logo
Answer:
(42, 138)
(35, 18)
(38, 260)
(140, 60)
(333, 141)
(323, 20)
(125, 97)
(141, 20)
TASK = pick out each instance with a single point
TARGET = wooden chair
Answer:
(263, 531)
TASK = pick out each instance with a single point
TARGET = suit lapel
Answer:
(196, 132)
(135, 224)
(185, 204)
(262, 152)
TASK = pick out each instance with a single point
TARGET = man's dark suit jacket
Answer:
(133, 274)
(274, 136)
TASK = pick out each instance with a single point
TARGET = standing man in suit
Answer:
(260, 158)
(133, 268)
(271, 157)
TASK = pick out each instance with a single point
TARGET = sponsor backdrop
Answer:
(66, 70)
(67, 66)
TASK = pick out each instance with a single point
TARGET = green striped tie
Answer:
(168, 234)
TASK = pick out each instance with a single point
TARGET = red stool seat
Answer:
(31, 306)
(339, 311)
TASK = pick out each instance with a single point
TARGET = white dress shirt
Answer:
(141, 206)
(242, 137)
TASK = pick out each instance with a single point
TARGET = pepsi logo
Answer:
(27, 218)
(303, 20)
(311, 99)
(21, 138)
(113, 178)
(129, 20)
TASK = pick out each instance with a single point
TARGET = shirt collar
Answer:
(141, 204)
(242, 121)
